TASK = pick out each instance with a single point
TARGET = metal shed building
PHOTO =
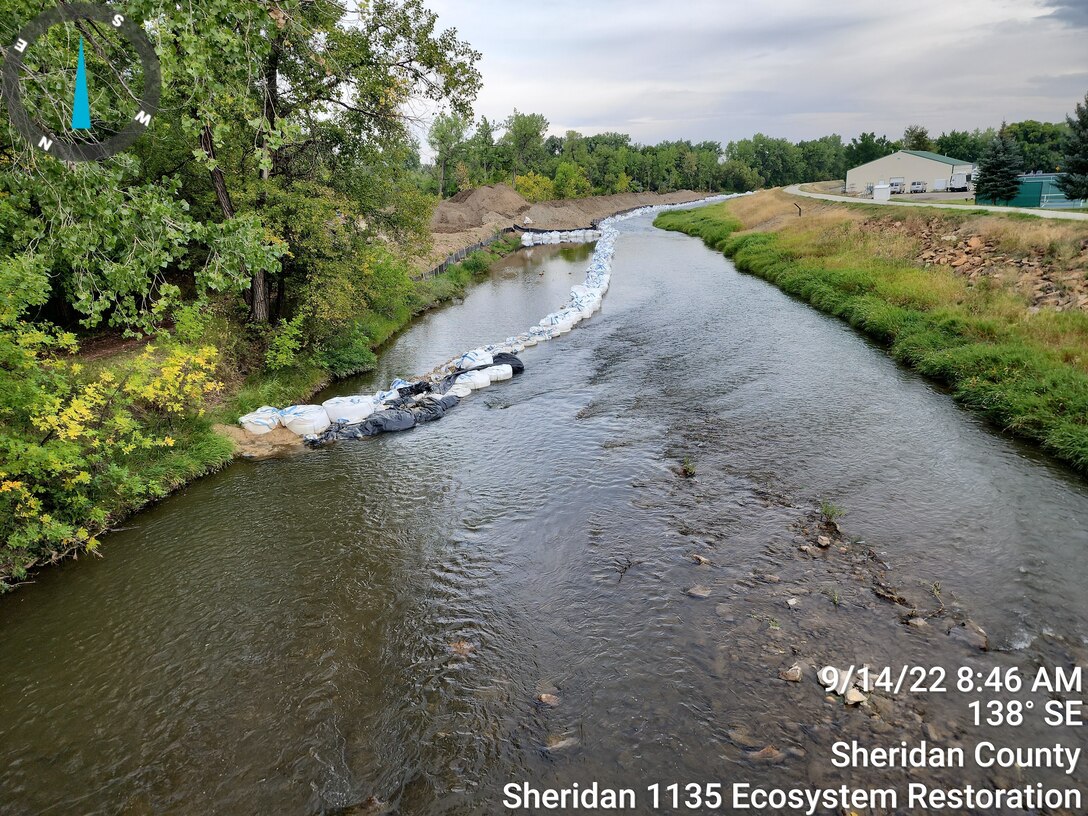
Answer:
(907, 165)
(1037, 190)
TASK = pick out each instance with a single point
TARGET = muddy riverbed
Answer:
(531, 590)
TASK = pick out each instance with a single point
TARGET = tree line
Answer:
(520, 151)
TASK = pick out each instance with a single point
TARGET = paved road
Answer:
(795, 189)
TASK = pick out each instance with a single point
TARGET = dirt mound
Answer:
(475, 208)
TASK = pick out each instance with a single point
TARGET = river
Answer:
(365, 628)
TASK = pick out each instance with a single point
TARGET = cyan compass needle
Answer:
(81, 107)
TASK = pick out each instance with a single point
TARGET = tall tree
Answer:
(866, 148)
(916, 137)
(524, 138)
(481, 152)
(571, 181)
(309, 66)
(1074, 181)
(964, 145)
(447, 139)
(998, 169)
(1040, 143)
(824, 158)
(778, 161)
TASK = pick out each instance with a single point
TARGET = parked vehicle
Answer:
(917, 186)
(940, 185)
(898, 186)
(959, 183)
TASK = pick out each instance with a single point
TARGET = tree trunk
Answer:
(281, 295)
(258, 291)
(442, 179)
(218, 181)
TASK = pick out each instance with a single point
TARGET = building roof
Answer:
(928, 154)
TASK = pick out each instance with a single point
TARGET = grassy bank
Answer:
(132, 433)
(1022, 366)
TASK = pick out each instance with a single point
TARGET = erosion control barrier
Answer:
(408, 403)
(461, 254)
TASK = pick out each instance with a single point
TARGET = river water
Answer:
(366, 628)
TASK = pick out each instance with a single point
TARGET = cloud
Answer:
(1071, 12)
(724, 69)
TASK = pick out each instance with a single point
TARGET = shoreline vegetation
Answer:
(992, 306)
(210, 364)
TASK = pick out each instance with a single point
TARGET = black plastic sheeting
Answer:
(432, 410)
(502, 358)
(404, 413)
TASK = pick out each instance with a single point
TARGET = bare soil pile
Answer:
(476, 215)
(497, 204)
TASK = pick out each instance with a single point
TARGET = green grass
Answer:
(830, 513)
(1025, 371)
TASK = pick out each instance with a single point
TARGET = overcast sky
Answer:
(725, 69)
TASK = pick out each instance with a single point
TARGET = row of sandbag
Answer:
(349, 417)
(368, 415)
(583, 236)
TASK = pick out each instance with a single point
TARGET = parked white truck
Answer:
(959, 183)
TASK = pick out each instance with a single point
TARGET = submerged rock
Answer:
(742, 738)
(555, 742)
(972, 634)
(550, 700)
(768, 754)
(792, 674)
(699, 591)
(462, 648)
(854, 696)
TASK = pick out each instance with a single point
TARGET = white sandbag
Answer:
(263, 420)
(526, 239)
(460, 390)
(474, 380)
(303, 420)
(349, 410)
(472, 359)
(499, 373)
(385, 396)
